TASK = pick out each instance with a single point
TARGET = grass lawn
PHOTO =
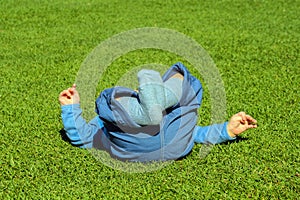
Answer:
(254, 44)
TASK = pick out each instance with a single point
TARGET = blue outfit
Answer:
(115, 132)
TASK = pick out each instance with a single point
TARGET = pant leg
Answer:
(151, 95)
(173, 91)
(155, 96)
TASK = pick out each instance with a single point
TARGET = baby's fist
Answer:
(69, 96)
(239, 123)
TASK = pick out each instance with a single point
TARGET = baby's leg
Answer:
(155, 96)
(135, 110)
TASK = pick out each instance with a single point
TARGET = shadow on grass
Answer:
(237, 140)
(65, 138)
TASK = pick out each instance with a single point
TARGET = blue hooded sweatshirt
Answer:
(116, 133)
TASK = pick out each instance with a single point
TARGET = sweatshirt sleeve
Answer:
(77, 129)
(214, 134)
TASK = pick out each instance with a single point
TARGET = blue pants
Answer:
(154, 97)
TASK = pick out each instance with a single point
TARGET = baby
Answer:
(156, 123)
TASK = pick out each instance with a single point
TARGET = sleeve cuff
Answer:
(69, 108)
(225, 133)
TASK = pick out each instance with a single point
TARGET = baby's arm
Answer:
(78, 131)
(213, 134)
(218, 133)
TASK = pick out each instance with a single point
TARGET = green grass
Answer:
(255, 45)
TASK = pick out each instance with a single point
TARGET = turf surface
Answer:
(254, 44)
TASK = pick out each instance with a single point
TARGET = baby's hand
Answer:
(69, 96)
(239, 123)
